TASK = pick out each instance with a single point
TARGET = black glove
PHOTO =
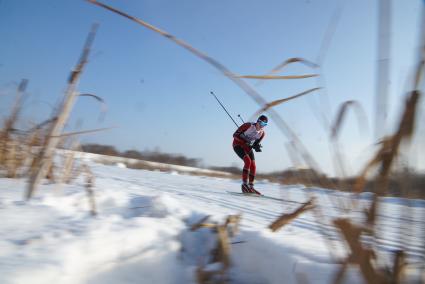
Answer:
(257, 147)
(249, 144)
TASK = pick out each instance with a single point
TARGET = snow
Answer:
(121, 165)
(123, 162)
(142, 234)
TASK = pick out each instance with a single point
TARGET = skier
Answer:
(247, 137)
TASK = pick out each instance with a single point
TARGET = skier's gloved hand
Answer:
(257, 147)
(249, 144)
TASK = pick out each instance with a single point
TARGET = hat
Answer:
(263, 118)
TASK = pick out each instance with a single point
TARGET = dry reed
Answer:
(275, 77)
(358, 254)
(10, 152)
(280, 101)
(287, 218)
(221, 253)
(44, 158)
(89, 189)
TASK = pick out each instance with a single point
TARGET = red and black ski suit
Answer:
(243, 139)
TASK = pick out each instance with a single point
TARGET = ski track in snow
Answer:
(151, 211)
(264, 211)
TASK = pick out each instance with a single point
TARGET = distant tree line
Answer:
(153, 156)
(401, 183)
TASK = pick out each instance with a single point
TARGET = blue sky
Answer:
(158, 93)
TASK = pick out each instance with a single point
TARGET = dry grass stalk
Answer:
(330, 32)
(341, 115)
(51, 173)
(359, 255)
(280, 101)
(287, 218)
(69, 163)
(292, 60)
(81, 132)
(420, 68)
(232, 223)
(89, 189)
(27, 154)
(398, 267)
(103, 107)
(17, 156)
(99, 99)
(7, 143)
(21, 157)
(340, 164)
(39, 126)
(371, 213)
(383, 66)
(274, 77)
(11, 159)
(390, 146)
(221, 253)
(201, 224)
(10, 122)
(324, 47)
(44, 159)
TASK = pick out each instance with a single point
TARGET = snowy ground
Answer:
(141, 233)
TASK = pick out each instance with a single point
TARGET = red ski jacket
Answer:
(247, 133)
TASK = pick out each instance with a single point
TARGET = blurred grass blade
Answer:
(341, 115)
(383, 67)
(83, 132)
(280, 101)
(271, 77)
(103, 108)
(290, 61)
(293, 60)
(359, 255)
(43, 160)
(390, 146)
(287, 218)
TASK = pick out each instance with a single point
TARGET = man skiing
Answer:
(247, 137)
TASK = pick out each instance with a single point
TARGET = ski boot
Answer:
(253, 190)
(245, 188)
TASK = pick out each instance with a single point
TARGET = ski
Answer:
(245, 194)
(261, 196)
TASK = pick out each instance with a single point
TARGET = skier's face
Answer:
(260, 124)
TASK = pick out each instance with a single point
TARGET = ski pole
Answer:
(241, 118)
(212, 93)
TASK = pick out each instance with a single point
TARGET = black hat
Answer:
(263, 118)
